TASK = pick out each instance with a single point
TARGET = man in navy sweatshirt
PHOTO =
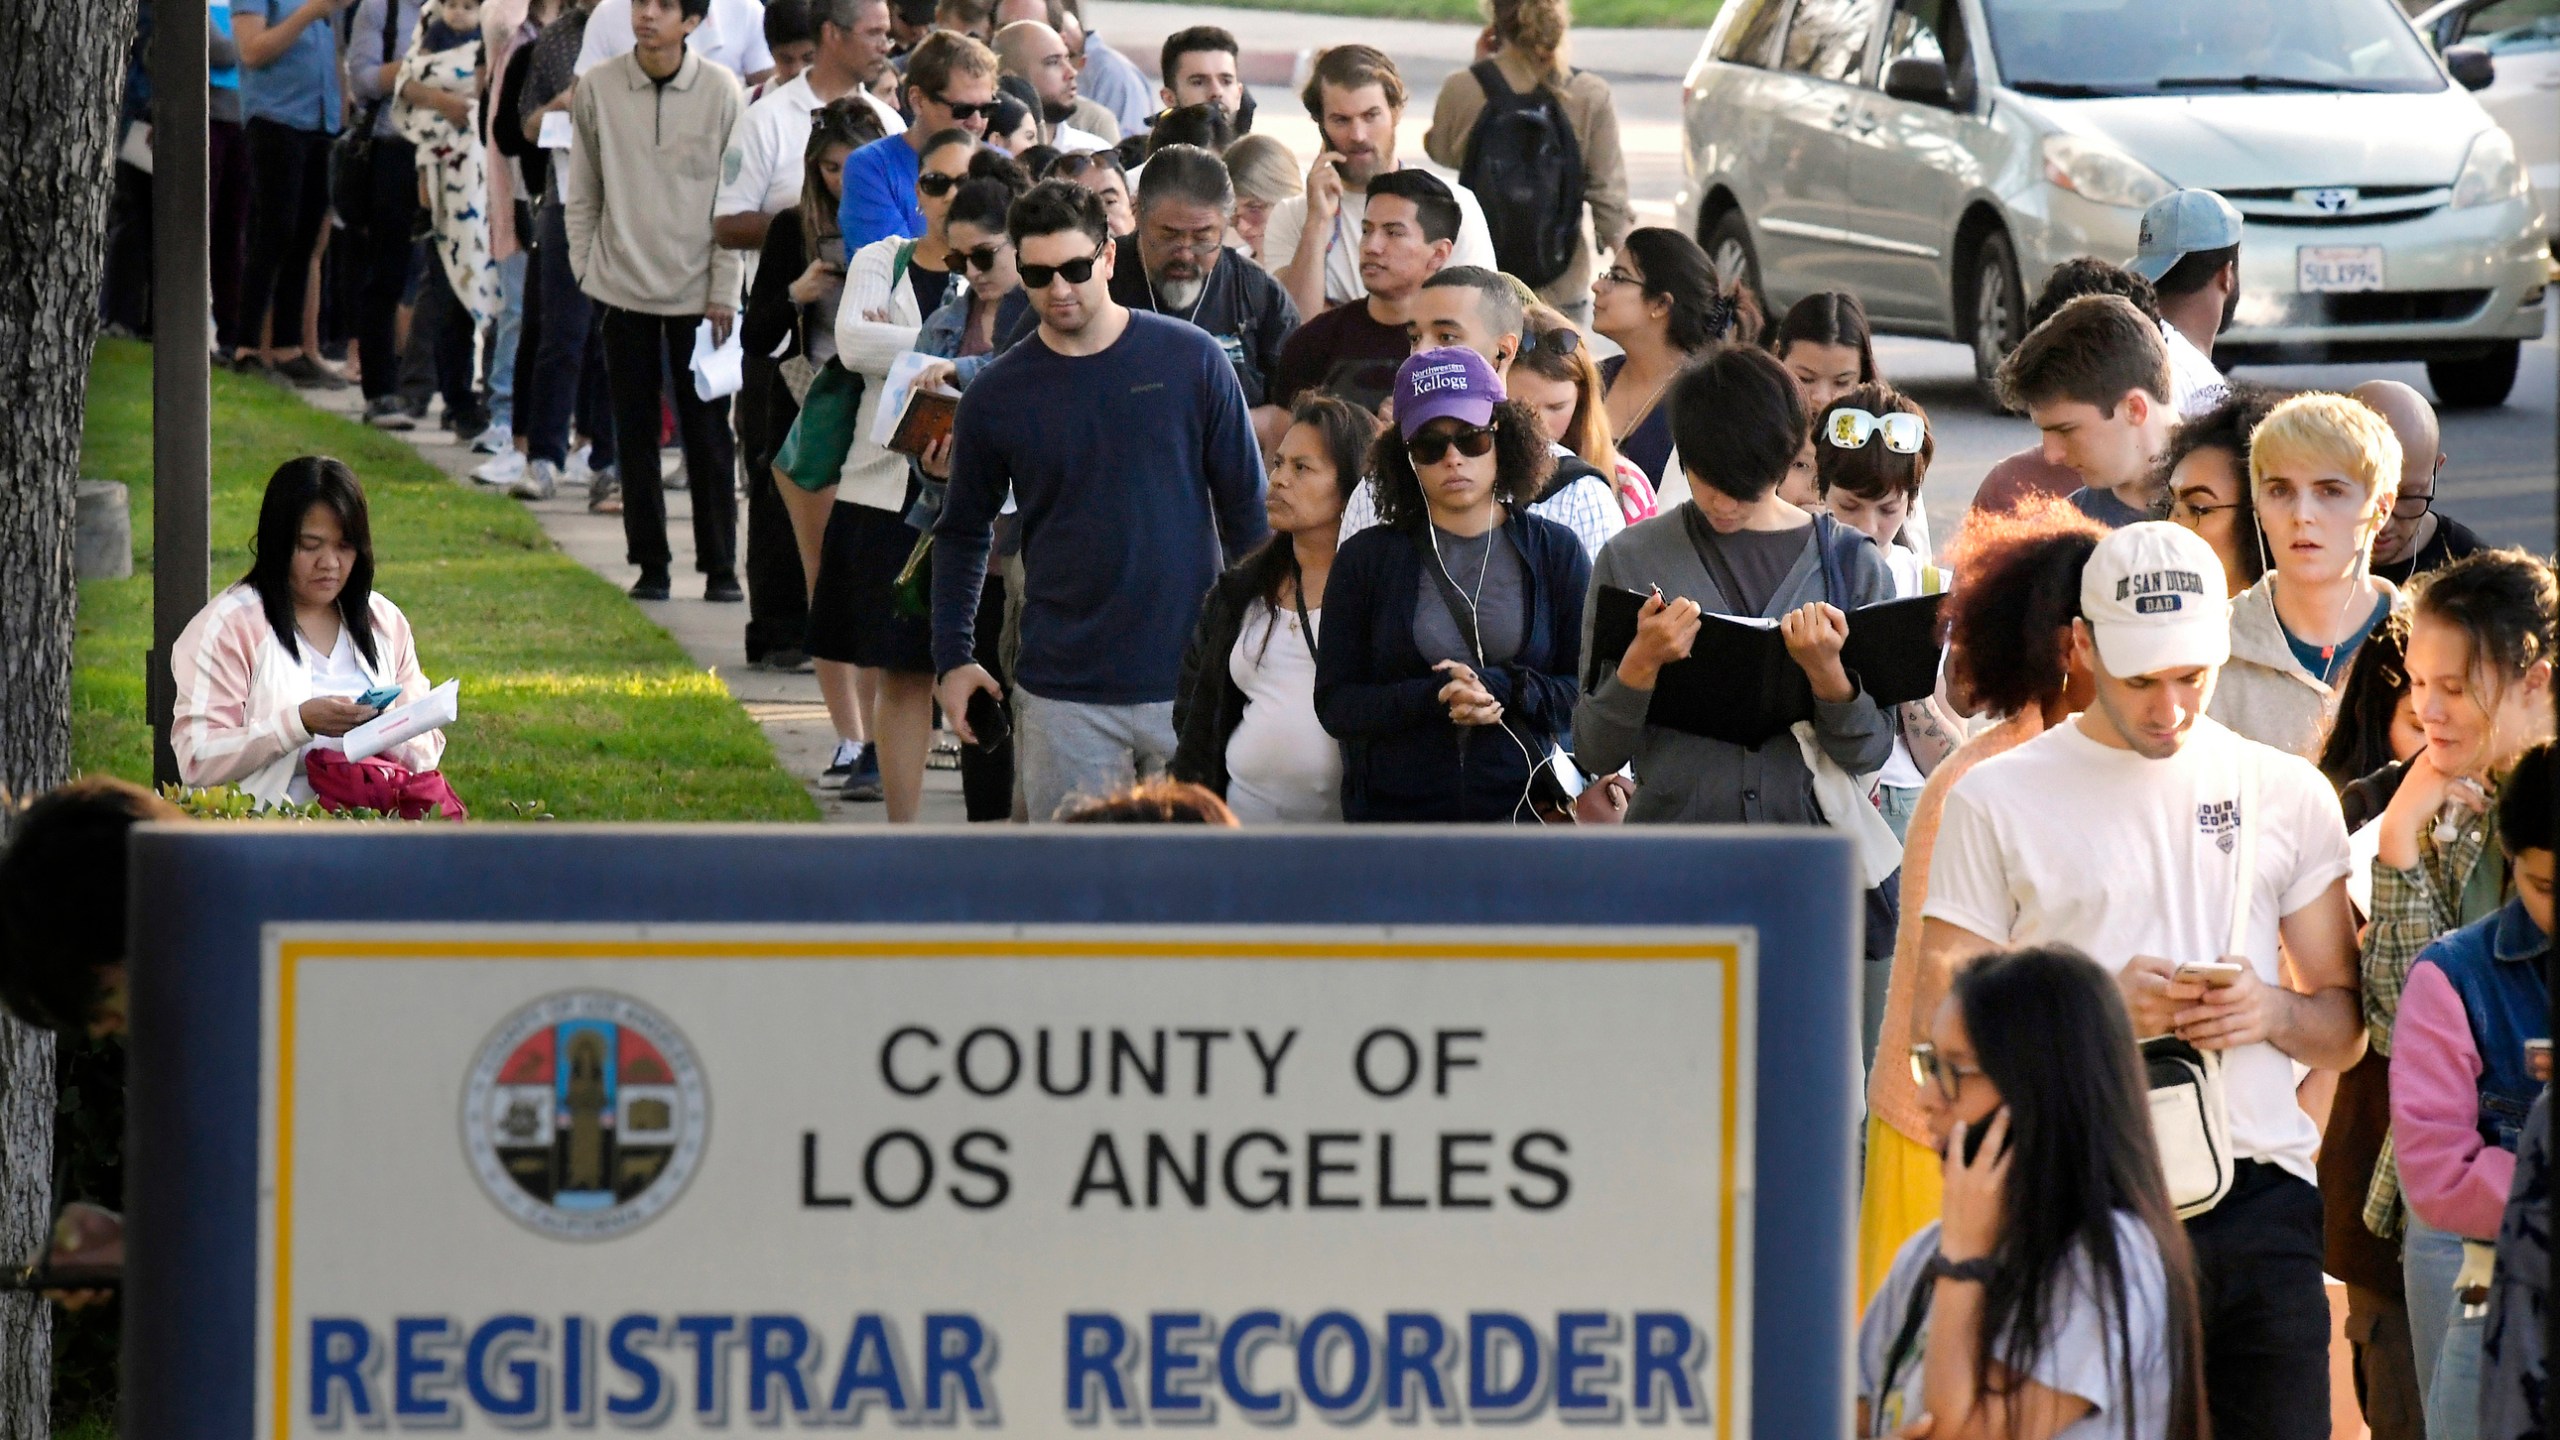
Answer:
(1126, 442)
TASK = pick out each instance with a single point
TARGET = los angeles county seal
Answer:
(585, 1114)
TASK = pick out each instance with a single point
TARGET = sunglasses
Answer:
(1074, 167)
(1851, 429)
(933, 184)
(1432, 446)
(1930, 1068)
(969, 109)
(1037, 277)
(1557, 342)
(984, 259)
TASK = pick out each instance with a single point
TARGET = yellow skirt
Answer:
(1904, 1191)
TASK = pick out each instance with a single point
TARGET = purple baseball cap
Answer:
(1441, 384)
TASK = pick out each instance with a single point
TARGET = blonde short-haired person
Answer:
(2323, 471)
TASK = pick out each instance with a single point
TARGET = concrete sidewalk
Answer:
(785, 705)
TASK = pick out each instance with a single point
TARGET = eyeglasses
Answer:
(1852, 429)
(933, 184)
(1555, 342)
(2189, 513)
(2412, 507)
(1619, 275)
(1432, 446)
(969, 109)
(984, 259)
(1077, 272)
(1930, 1068)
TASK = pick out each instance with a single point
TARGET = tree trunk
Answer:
(61, 73)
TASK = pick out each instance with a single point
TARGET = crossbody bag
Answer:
(2190, 1114)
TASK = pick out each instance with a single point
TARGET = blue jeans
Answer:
(2446, 1343)
(509, 328)
(1898, 802)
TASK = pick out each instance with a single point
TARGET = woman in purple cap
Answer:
(1454, 627)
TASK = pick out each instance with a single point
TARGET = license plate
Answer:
(2324, 269)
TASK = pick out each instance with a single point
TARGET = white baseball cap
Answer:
(2154, 597)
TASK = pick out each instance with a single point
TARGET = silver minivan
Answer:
(1939, 157)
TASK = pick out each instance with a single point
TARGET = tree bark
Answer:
(61, 73)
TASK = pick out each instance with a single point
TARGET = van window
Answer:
(2193, 47)
(2510, 27)
(1752, 38)
(1828, 38)
(1929, 30)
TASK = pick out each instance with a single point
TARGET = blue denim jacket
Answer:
(2495, 966)
(941, 335)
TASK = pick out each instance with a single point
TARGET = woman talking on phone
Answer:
(2056, 1298)
(1452, 627)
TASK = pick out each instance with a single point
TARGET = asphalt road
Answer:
(2503, 470)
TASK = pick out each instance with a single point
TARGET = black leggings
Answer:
(289, 178)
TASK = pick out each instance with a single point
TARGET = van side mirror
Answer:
(1922, 81)
(2470, 66)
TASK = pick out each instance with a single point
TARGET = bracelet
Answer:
(1976, 1271)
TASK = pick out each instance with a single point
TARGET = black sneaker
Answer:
(723, 590)
(308, 374)
(652, 585)
(385, 412)
(862, 787)
(848, 754)
(467, 426)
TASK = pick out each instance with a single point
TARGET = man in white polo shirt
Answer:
(760, 174)
(2190, 252)
(2118, 832)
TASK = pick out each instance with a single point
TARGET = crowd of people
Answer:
(1287, 489)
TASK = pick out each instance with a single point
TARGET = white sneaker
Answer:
(502, 469)
(579, 468)
(541, 481)
(671, 474)
(497, 438)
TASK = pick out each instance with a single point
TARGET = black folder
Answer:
(1740, 686)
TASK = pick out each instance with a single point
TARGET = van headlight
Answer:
(2100, 173)
(2490, 173)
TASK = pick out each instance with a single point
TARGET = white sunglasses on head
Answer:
(1903, 431)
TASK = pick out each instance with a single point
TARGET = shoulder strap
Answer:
(1488, 74)
(1905, 1339)
(1462, 613)
(1826, 534)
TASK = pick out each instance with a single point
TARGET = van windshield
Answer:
(2185, 47)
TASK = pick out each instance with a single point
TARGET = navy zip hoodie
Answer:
(1402, 757)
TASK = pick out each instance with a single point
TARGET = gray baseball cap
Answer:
(2179, 224)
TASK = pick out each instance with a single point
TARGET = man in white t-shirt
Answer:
(731, 35)
(2119, 833)
(761, 172)
(2190, 252)
(1312, 241)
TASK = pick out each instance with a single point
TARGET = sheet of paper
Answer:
(437, 709)
(893, 395)
(557, 129)
(719, 368)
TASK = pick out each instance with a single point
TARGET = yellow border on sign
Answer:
(291, 953)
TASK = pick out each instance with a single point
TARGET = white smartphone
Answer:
(2211, 972)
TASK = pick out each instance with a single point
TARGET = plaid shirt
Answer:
(2411, 908)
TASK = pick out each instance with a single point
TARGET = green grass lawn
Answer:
(570, 697)
(1599, 14)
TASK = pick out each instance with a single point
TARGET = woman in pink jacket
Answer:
(277, 664)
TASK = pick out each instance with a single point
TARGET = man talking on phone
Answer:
(2122, 833)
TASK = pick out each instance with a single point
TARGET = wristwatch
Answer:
(1976, 1271)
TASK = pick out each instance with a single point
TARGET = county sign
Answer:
(709, 1132)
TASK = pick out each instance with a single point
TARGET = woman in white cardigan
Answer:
(890, 286)
(275, 666)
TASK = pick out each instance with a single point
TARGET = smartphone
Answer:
(2211, 972)
(988, 720)
(2537, 1060)
(379, 697)
(1974, 1134)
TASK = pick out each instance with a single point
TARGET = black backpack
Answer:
(1525, 166)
